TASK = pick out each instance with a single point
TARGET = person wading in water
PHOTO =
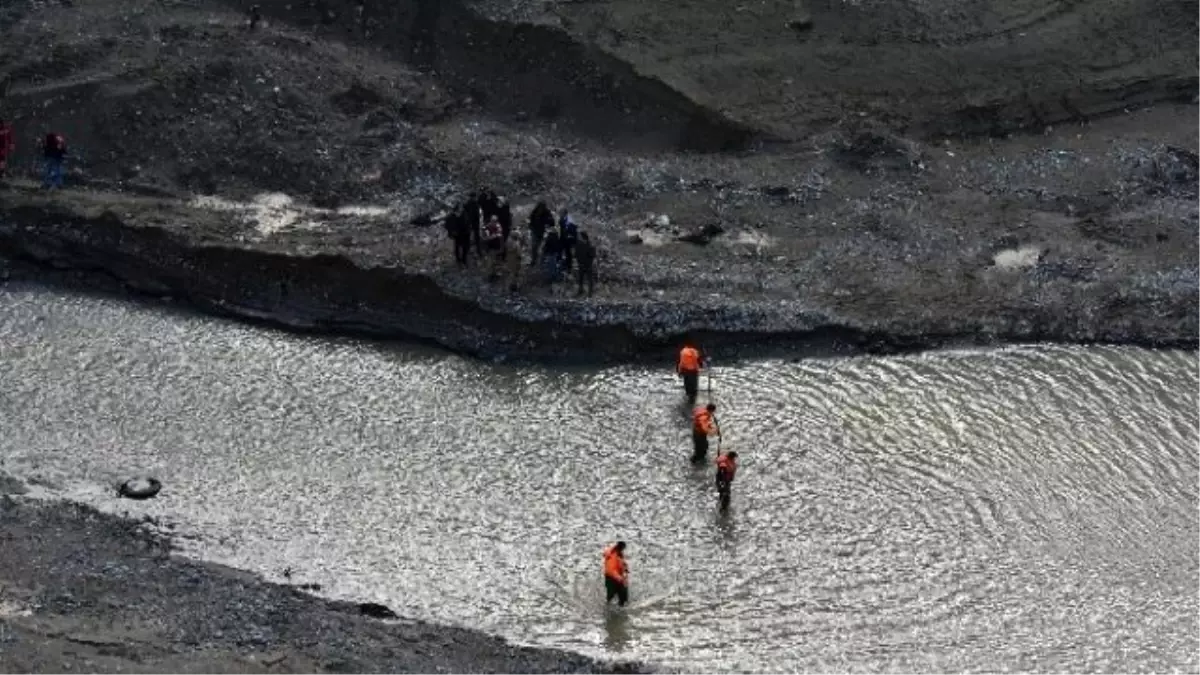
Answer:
(688, 366)
(704, 424)
(616, 574)
(726, 470)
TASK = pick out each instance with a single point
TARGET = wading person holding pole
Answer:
(688, 367)
(704, 424)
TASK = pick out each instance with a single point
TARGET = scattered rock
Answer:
(702, 235)
(1024, 257)
(870, 148)
(139, 488)
(11, 486)
(1170, 169)
(801, 19)
(376, 611)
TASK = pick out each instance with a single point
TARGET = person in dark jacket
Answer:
(54, 153)
(504, 215)
(473, 216)
(585, 255)
(489, 204)
(568, 233)
(540, 220)
(8, 145)
(551, 257)
(460, 232)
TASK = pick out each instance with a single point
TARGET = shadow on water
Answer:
(616, 629)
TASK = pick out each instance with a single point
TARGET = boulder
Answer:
(702, 235)
(139, 488)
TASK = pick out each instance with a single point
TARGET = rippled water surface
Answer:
(1020, 509)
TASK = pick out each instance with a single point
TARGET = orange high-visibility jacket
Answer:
(614, 565)
(689, 361)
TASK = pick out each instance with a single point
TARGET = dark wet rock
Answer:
(1170, 169)
(427, 219)
(801, 18)
(109, 606)
(11, 486)
(702, 235)
(139, 488)
(376, 611)
(874, 148)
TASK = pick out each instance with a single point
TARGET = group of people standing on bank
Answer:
(557, 248)
(54, 154)
(688, 366)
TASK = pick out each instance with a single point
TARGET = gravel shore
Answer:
(82, 591)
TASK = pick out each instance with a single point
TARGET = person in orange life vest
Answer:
(688, 366)
(726, 470)
(704, 424)
(616, 574)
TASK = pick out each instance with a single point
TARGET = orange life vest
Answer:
(689, 360)
(614, 565)
(726, 467)
(702, 421)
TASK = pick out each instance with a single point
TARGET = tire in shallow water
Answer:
(139, 488)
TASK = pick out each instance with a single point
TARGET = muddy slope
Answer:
(526, 66)
(712, 75)
(928, 67)
(88, 592)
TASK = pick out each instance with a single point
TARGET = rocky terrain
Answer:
(762, 174)
(82, 591)
(869, 175)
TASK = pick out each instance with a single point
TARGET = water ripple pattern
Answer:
(1025, 509)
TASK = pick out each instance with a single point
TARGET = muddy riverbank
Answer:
(89, 592)
(275, 174)
(372, 276)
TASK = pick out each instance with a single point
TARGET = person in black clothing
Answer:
(568, 233)
(585, 255)
(489, 204)
(504, 215)
(460, 232)
(552, 256)
(504, 212)
(474, 221)
(540, 220)
(54, 154)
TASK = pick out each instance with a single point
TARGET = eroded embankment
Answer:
(84, 591)
(332, 293)
(343, 291)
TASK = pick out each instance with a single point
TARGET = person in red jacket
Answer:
(726, 470)
(8, 145)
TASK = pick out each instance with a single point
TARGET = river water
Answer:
(1029, 509)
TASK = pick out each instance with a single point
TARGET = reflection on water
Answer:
(1020, 509)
